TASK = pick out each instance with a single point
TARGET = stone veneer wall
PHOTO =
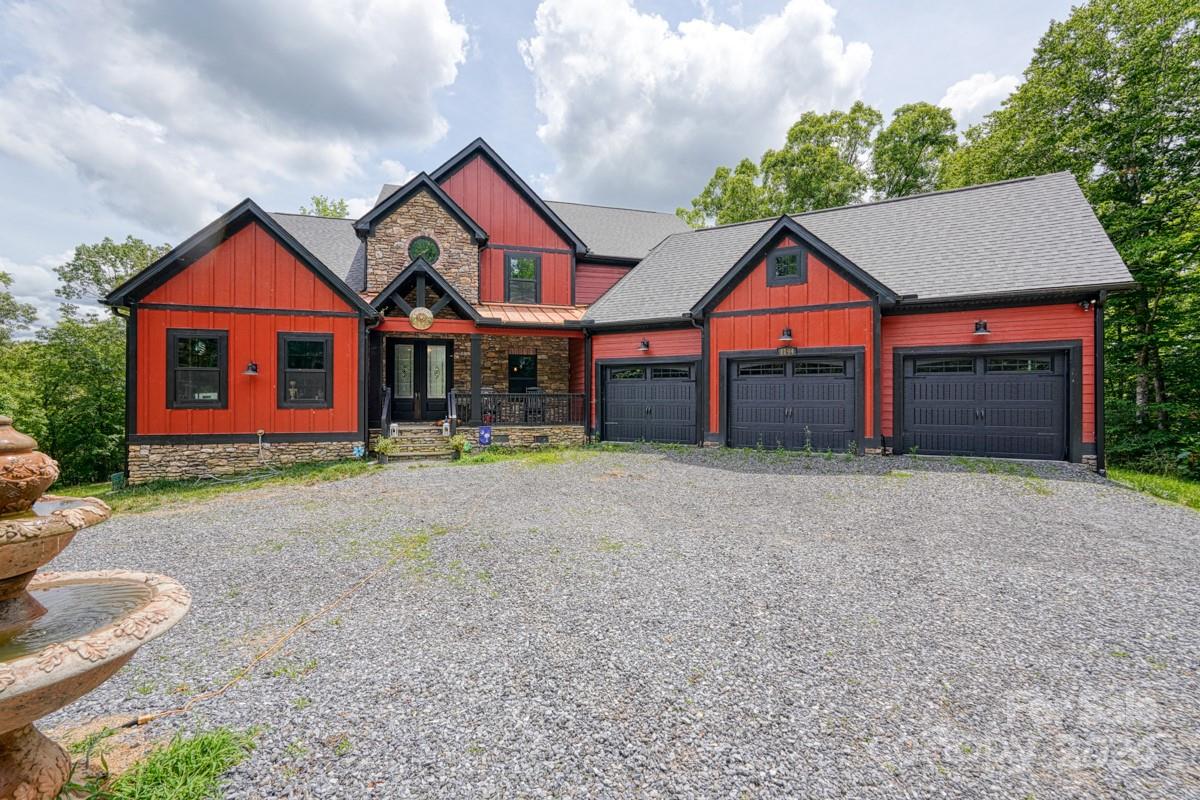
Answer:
(530, 435)
(421, 215)
(149, 462)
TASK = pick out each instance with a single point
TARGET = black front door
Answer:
(420, 373)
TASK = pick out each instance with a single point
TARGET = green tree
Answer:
(81, 379)
(20, 390)
(907, 154)
(822, 163)
(14, 316)
(1113, 96)
(322, 206)
(96, 269)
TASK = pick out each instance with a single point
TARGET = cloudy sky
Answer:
(134, 117)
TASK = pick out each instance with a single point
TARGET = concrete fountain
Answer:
(62, 634)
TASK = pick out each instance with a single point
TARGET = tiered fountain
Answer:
(61, 634)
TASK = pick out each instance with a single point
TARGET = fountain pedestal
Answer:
(61, 634)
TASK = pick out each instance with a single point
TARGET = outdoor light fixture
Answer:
(251, 368)
(786, 336)
(644, 345)
(1086, 305)
(981, 328)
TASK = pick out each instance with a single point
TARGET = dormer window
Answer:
(424, 247)
(522, 278)
(787, 265)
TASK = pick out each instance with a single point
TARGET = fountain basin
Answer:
(31, 539)
(40, 681)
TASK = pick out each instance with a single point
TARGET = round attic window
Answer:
(424, 247)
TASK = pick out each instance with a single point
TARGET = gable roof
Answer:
(481, 148)
(334, 241)
(1027, 236)
(213, 234)
(422, 270)
(421, 180)
(622, 233)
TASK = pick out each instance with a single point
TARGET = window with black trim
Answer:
(627, 374)
(197, 368)
(819, 368)
(670, 373)
(305, 370)
(1019, 364)
(787, 265)
(759, 369)
(522, 373)
(943, 366)
(522, 278)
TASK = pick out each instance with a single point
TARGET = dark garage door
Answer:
(793, 403)
(650, 403)
(1003, 406)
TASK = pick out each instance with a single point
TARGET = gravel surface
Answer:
(682, 623)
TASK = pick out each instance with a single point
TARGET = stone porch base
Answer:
(150, 462)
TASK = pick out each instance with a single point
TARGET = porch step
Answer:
(421, 455)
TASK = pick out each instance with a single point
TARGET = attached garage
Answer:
(997, 404)
(808, 402)
(649, 402)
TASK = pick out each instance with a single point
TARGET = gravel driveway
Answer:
(684, 624)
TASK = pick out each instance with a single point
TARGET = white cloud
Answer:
(970, 100)
(35, 284)
(638, 111)
(171, 112)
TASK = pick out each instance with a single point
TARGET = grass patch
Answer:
(88, 743)
(536, 457)
(1175, 490)
(1012, 469)
(189, 768)
(148, 496)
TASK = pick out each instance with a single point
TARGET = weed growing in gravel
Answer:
(145, 688)
(1013, 469)
(87, 744)
(293, 670)
(342, 745)
(189, 768)
(898, 474)
(542, 456)
(296, 749)
(1119, 654)
(608, 545)
(301, 703)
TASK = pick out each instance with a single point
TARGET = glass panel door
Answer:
(435, 371)
(403, 385)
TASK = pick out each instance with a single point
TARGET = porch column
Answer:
(476, 378)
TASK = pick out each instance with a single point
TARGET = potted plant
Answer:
(386, 446)
(459, 444)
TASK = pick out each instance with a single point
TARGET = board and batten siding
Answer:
(683, 342)
(1049, 323)
(593, 280)
(850, 323)
(512, 223)
(250, 270)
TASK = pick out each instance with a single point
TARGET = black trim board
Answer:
(786, 226)
(1072, 347)
(235, 438)
(481, 148)
(1048, 297)
(857, 352)
(131, 374)
(422, 268)
(1098, 389)
(208, 237)
(587, 385)
(876, 375)
(365, 225)
(761, 312)
(598, 378)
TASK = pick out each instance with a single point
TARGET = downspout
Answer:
(364, 378)
(1098, 389)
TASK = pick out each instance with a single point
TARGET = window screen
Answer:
(305, 370)
(197, 373)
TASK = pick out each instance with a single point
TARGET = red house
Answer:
(960, 322)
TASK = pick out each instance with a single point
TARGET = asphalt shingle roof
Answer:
(333, 241)
(618, 232)
(1026, 235)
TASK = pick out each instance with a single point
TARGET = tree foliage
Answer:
(831, 159)
(96, 269)
(322, 206)
(1113, 96)
(907, 154)
(14, 316)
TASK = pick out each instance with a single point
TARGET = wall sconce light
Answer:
(786, 336)
(644, 345)
(1086, 305)
(251, 368)
(981, 328)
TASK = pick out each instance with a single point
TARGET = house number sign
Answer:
(421, 318)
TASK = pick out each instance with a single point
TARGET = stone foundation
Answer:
(150, 462)
(530, 435)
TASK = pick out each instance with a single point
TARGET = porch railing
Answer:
(534, 408)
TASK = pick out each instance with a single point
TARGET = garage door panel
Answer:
(1009, 406)
(793, 404)
(653, 405)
